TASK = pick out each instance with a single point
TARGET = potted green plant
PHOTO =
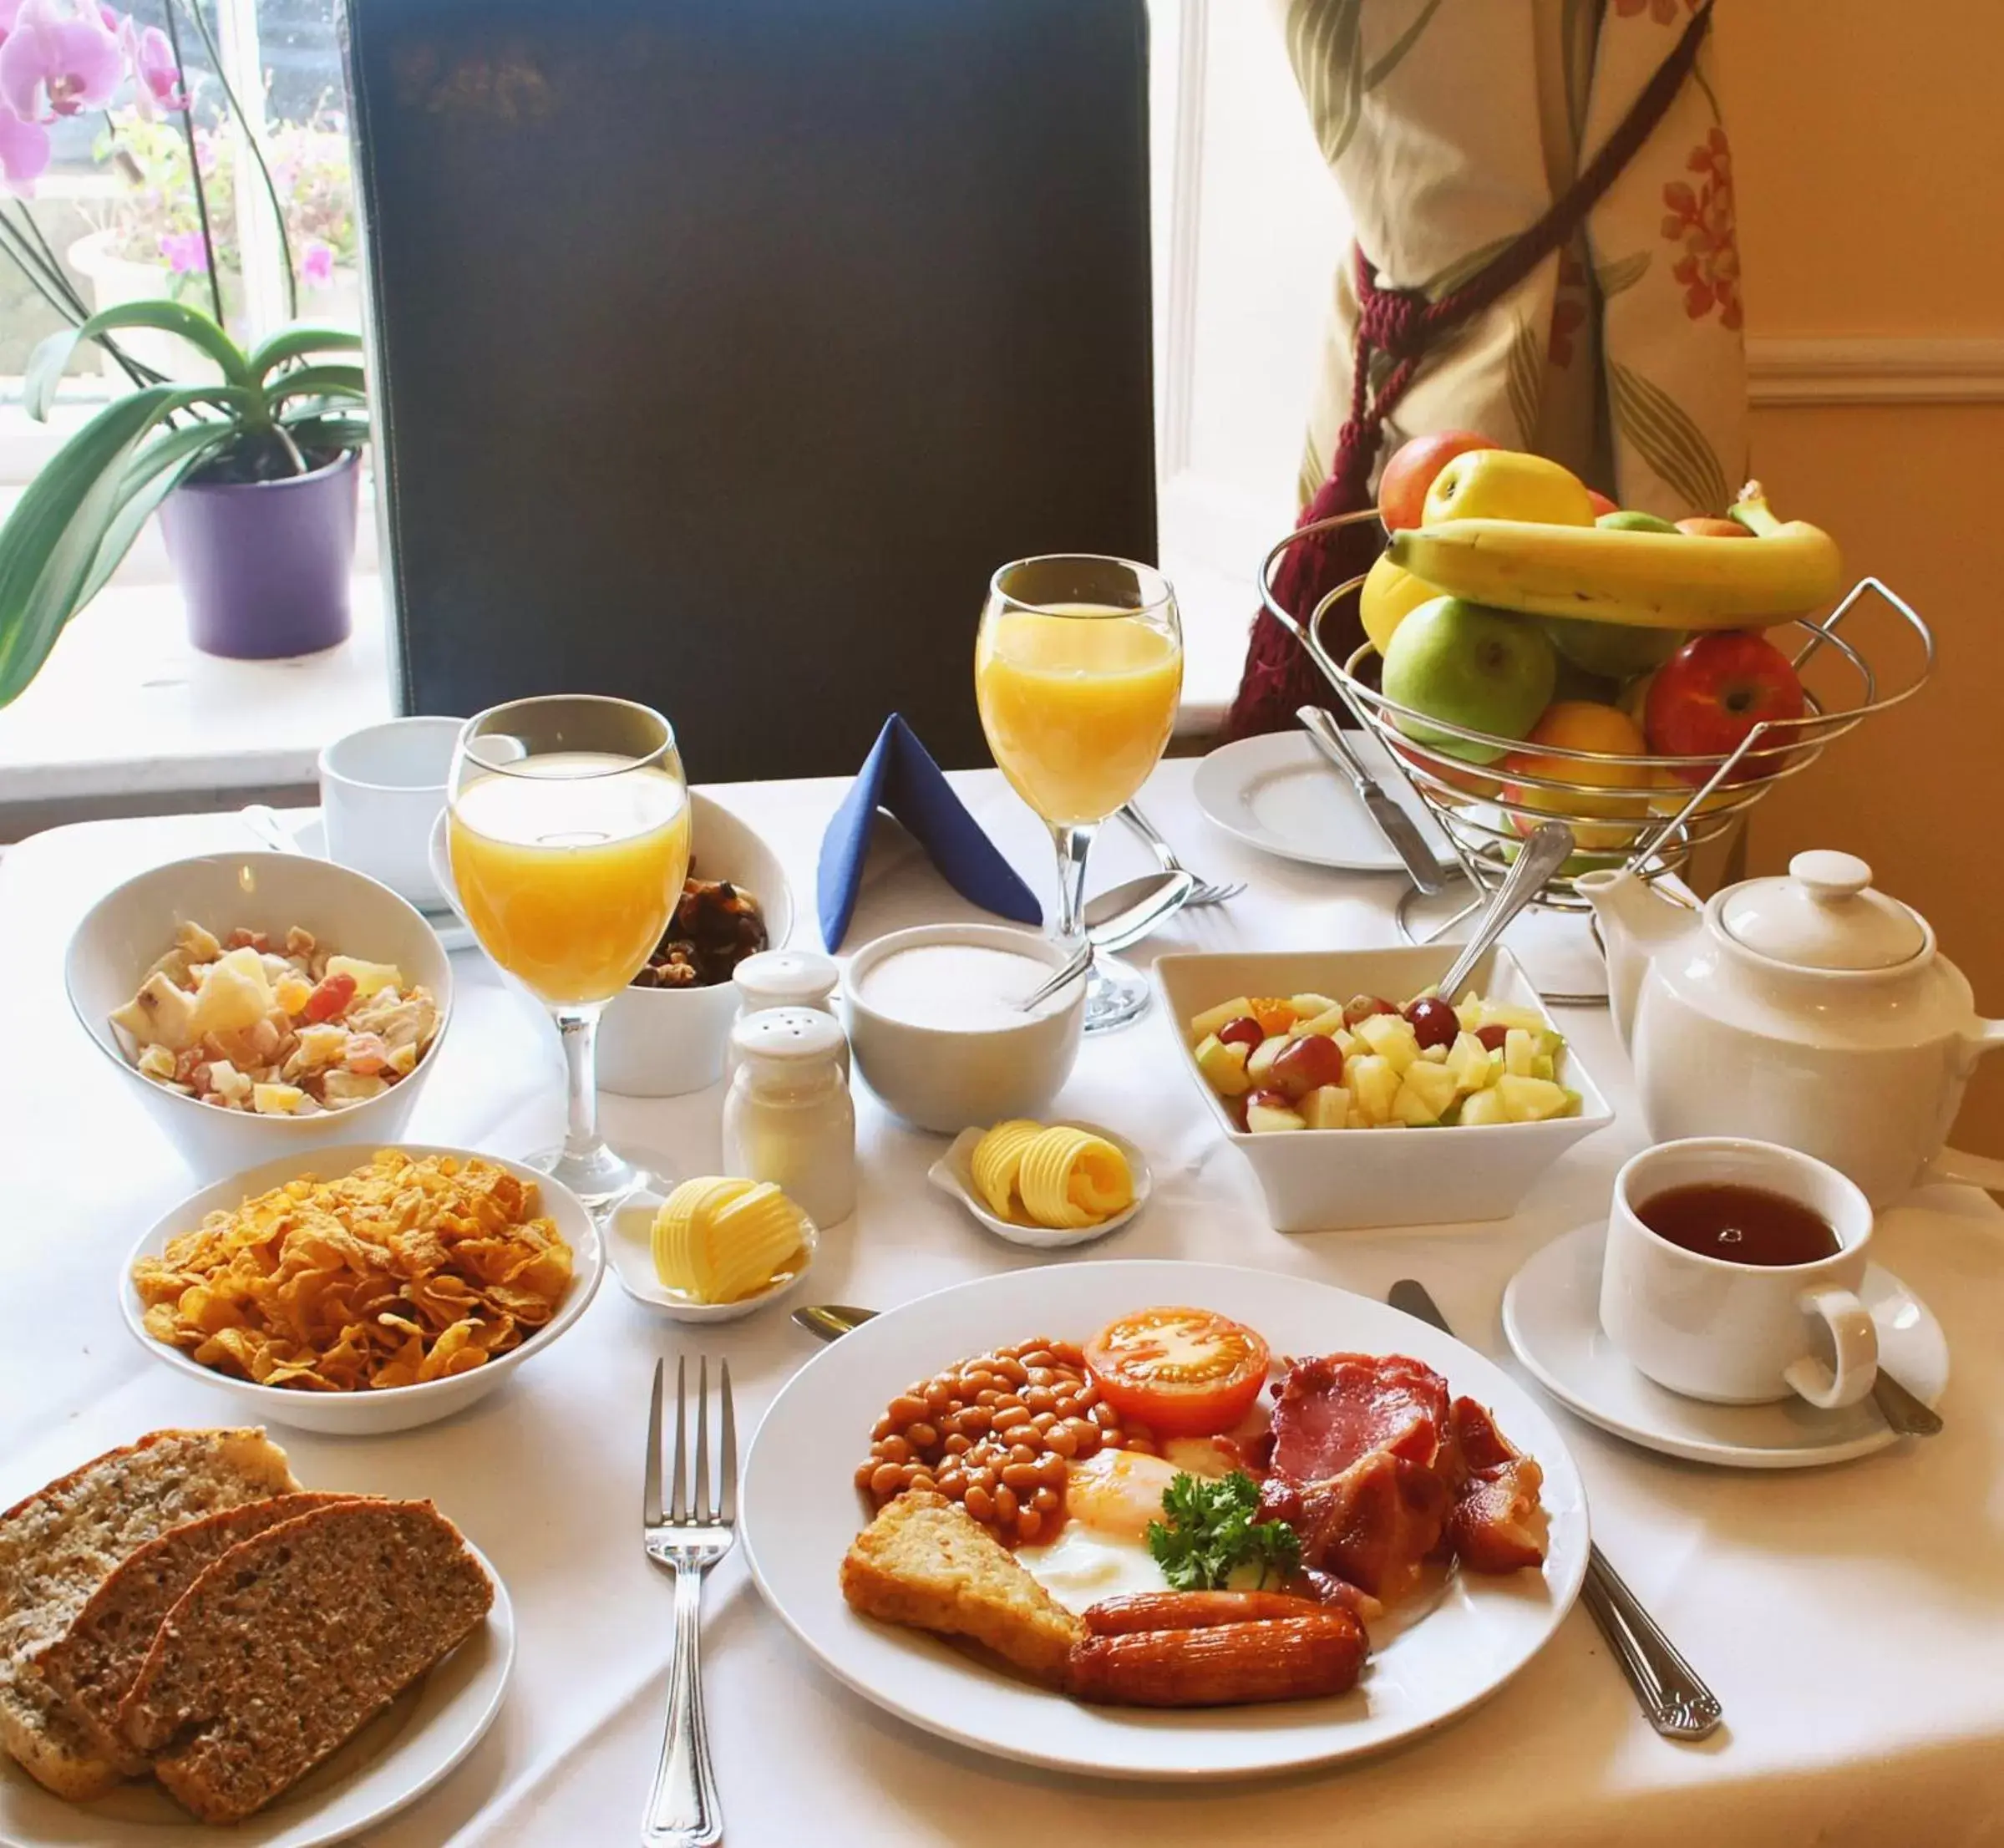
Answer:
(254, 469)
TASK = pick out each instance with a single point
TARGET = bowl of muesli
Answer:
(259, 1004)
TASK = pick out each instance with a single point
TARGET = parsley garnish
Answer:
(1210, 1532)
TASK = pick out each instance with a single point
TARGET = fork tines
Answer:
(690, 1504)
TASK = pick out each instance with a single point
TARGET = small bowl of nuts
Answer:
(666, 1034)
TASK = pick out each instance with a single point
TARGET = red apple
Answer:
(1602, 505)
(1314, 1059)
(1402, 489)
(1708, 695)
(1704, 526)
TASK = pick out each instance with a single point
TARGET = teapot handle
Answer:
(1972, 1171)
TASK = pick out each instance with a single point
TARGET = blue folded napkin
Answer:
(900, 775)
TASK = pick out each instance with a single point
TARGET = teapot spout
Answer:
(1636, 923)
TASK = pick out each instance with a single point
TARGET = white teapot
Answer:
(1807, 1010)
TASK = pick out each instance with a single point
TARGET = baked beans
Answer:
(994, 1433)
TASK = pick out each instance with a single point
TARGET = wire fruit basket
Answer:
(1647, 814)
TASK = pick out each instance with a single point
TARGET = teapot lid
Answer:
(1823, 915)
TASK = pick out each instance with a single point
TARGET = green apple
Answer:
(1633, 519)
(1466, 664)
(1614, 651)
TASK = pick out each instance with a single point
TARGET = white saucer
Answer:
(1276, 793)
(1551, 1314)
(452, 933)
(629, 1232)
(953, 1173)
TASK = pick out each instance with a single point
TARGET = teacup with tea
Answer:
(1731, 1273)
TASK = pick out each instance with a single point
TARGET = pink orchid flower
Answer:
(24, 151)
(56, 62)
(185, 252)
(159, 85)
(316, 264)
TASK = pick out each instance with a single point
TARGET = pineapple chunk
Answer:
(1271, 1116)
(1480, 1108)
(1542, 1066)
(1469, 1060)
(1223, 1066)
(1433, 1055)
(1506, 1013)
(1209, 1022)
(1373, 1083)
(156, 1061)
(1326, 1107)
(1329, 1023)
(228, 1082)
(1308, 1006)
(369, 977)
(1468, 1012)
(292, 993)
(1518, 1049)
(276, 1099)
(1533, 1099)
(1260, 1064)
(160, 1015)
(1425, 1094)
(1349, 1045)
(352, 1087)
(1391, 1037)
(235, 993)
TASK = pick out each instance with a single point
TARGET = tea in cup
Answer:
(1732, 1272)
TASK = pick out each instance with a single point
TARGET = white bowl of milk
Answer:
(936, 1028)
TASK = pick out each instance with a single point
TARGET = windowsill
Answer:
(126, 708)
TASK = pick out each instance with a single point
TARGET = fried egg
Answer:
(1101, 1551)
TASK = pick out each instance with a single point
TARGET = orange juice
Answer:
(1077, 705)
(569, 874)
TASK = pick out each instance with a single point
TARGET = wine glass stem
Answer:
(1073, 842)
(578, 1028)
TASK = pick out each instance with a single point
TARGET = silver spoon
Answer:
(1156, 897)
(1550, 845)
(263, 822)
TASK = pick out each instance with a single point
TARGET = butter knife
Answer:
(1674, 1700)
(1398, 828)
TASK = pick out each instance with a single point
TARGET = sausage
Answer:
(1119, 1617)
(1226, 1665)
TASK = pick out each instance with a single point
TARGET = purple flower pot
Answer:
(264, 565)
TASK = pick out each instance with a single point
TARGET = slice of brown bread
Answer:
(94, 1662)
(292, 1642)
(927, 1562)
(58, 1544)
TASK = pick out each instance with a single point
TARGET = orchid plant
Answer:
(279, 409)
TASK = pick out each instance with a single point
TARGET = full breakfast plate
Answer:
(1277, 793)
(829, 1447)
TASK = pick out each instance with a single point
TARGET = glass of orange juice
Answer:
(1077, 671)
(568, 834)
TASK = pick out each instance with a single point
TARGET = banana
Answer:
(1663, 580)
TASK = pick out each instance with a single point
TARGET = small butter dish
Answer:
(953, 1173)
(629, 1234)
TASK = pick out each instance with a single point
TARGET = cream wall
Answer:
(1868, 159)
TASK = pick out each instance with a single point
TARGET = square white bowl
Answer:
(1348, 1180)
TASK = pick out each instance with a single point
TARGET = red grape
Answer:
(1312, 1060)
(1362, 1007)
(1434, 1021)
(1492, 1037)
(1244, 1031)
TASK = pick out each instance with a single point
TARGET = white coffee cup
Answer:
(381, 790)
(1740, 1334)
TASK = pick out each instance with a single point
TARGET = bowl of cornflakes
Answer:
(262, 1004)
(365, 1289)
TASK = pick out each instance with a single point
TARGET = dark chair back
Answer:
(723, 348)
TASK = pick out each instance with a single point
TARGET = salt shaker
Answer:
(786, 978)
(787, 1118)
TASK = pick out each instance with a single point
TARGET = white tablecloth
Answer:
(1852, 1619)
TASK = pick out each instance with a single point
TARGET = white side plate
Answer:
(953, 1173)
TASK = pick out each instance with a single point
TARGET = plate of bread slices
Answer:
(191, 1640)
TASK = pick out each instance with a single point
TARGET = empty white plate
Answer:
(1552, 1313)
(1277, 793)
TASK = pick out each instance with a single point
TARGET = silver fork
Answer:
(1208, 891)
(695, 1533)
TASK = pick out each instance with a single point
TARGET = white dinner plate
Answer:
(312, 835)
(800, 1511)
(396, 1758)
(1277, 793)
(1551, 1314)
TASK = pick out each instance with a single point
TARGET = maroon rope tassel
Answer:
(1401, 324)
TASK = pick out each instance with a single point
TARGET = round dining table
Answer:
(1849, 1618)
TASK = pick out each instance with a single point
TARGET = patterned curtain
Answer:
(1451, 126)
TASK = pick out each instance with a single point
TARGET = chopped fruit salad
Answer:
(287, 1030)
(1309, 1062)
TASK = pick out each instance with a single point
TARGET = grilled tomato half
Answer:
(1183, 1372)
